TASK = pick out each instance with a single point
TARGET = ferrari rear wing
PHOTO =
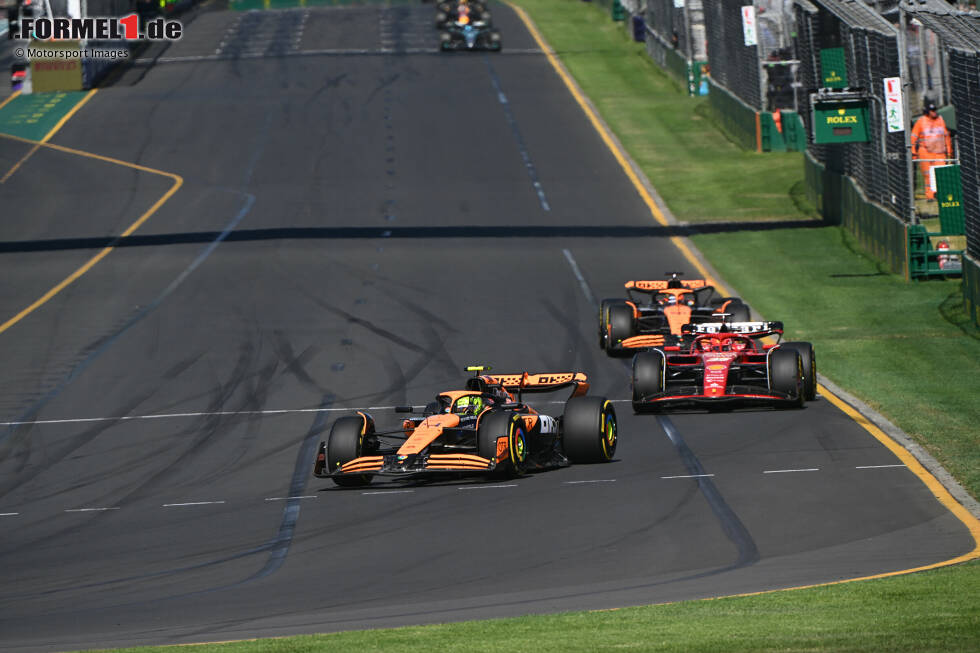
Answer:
(751, 329)
(544, 382)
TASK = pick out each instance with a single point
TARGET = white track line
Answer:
(223, 413)
(486, 487)
(309, 496)
(89, 509)
(690, 476)
(192, 503)
(878, 466)
(599, 480)
(9, 514)
(788, 471)
(389, 492)
(578, 275)
(219, 413)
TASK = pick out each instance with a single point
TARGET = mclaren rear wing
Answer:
(544, 382)
(656, 285)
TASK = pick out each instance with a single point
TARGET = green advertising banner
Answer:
(833, 68)
(840, 122)
(949, 194)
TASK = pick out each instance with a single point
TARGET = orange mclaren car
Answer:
(657, 311)
(482, 429)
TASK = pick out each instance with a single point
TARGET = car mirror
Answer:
(404, 409)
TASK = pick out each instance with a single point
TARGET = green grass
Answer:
(921, 613)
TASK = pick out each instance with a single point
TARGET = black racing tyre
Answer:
(620, 324)
(648, 377)
(440, 19)
(589, 430)
(604, 318)
(344, 444)
(786, 374)
(739, 311)
(809, 360)
(499, 424)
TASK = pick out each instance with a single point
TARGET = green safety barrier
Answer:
(617, 11)
(840, 201)
(735, 117)
(927, 259)
(792, 136)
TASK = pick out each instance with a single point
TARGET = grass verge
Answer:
(922, 613)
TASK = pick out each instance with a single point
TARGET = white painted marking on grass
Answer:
(89, 509)
(486, 487)
(598, 480)
(790, 471)
(877, 466)
(308, 496)
(581, 279)
(390, 492)
(191, 503)
(690, 476)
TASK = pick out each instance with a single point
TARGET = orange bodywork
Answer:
(530, 421)
(641, 342)
(363, 464)
(457, 461)
(662, 284)
(503, 448)
(677, 316)
(426, 432)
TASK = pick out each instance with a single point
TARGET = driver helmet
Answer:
(469, 405)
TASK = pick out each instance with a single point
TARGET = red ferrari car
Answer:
(722, 364)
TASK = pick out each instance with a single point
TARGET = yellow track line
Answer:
(54, 130)
(71, 278)
(937, 489)
(5, 102)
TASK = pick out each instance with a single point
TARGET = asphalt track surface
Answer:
(353, 230)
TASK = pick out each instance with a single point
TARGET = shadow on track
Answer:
(420, 233)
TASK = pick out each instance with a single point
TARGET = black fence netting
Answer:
(880, 166)
(734, 65)
(964, 74)
(667, 22)
(667, 39)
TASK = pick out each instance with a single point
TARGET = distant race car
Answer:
(723, 365)
(470, 35)
(628, 325)
(449, 12)
(483, 429)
